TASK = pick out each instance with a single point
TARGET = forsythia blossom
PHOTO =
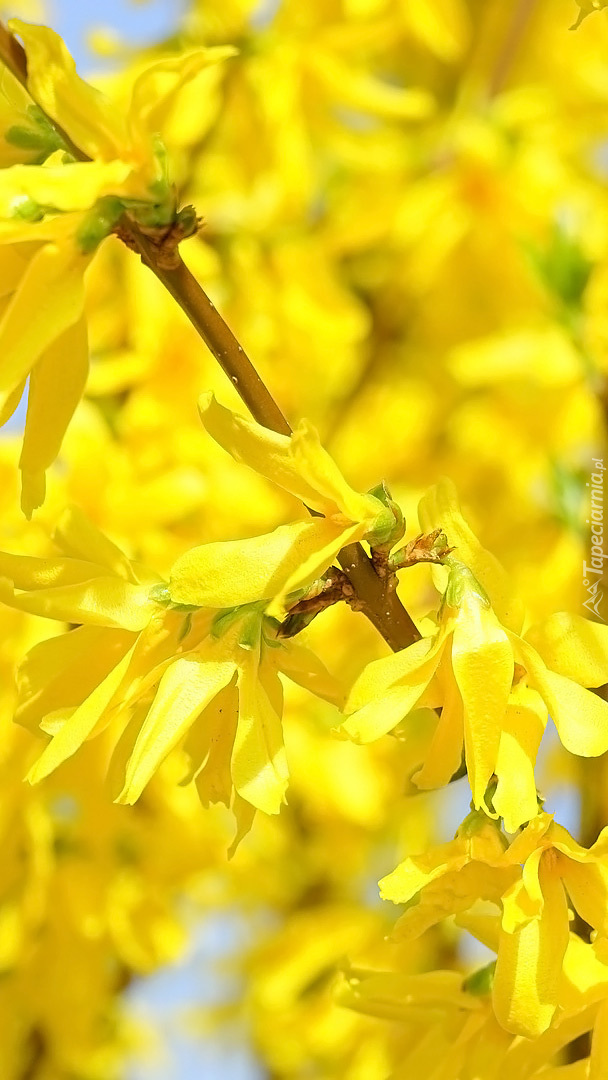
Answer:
(162, 673)
(493, 687)
(54, 212)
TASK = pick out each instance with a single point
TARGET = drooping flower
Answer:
(300, 552)
(530, 881)
(492, 685)
(54, 211)
(159, 673)
(535, 922)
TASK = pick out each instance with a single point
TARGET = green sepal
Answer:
(460, 581)
(99, 222)
(161, 595)
(389, 526)
(480, 982)
(26, 208)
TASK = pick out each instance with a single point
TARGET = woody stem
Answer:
(380, 604)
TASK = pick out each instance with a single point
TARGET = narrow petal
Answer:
(299, 464)
(587, 885)
(28, 572)
(49, 300)
(572, 646)
(63, 671)
(524, 722)
(79, 538)
(259, 765)
(100, 601)
(217, 727)
(439, 508)
(529, 965)
(381, 675)
(382, 715)
(244, 813)
(76, 186)
(580, 716)
(482, 660)
(598, 1062)
(305, 668)
(185, 689)
(235, 572)
(56, 386)
(524, 900)
(155, 91)
(84, 113)
(444, 756)
(81, 724)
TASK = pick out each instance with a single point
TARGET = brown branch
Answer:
(508, 52)
(380, 605)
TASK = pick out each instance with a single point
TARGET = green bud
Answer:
(41, 136)
(389, 526)
(461, 581)
(562, 266)
(251, 630)
(228, 616)
(161, 595)
(26, 208)
(480, 982)
(473, 823)
(99, 222)
(24, 138)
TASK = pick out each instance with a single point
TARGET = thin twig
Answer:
(512, 41)
(381, 606)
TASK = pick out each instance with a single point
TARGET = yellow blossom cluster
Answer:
(255, 670)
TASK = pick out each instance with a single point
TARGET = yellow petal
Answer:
(580, 716)
(529, 965)
(75, 186)
(210, 756)
(259, 765)
(64, 670)
(99, 602)
(515, 798)
(380, 675)
(482, 660)
(155, 91)
(56, 386)
(524, 900)
(573, 646)
(79, 538)
(11, 402)
(48, 301)
(299, 464)
(90, 120)
(444, 755)
(244, 813)
(598, 1061)
(305, 668)
(81, 724)
(235, 572)
(439, 508)
(587, 885)
(29, 572)
(186, 687)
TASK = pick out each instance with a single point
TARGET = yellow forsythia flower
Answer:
(165, 673)
(252, 569)
(493, 687)
(530, 881)
(55, 211)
